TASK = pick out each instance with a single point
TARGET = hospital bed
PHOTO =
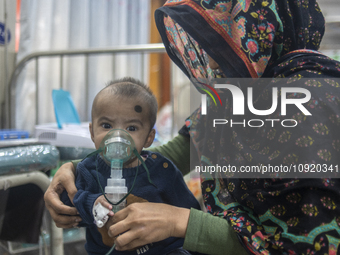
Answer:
(23, 181)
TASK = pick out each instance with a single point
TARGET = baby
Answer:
(130, 105)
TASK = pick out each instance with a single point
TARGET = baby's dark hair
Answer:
(131, 87)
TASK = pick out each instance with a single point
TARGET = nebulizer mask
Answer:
(116, 149)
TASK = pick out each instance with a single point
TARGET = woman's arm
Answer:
(210, 234)
(178, 151)
(143, 223)
(64, 179)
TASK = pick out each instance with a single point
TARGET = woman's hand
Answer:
(142, 223)
(64, 216)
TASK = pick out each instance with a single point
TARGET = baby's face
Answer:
(130, 114)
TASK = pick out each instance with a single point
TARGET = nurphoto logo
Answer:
(239, 99)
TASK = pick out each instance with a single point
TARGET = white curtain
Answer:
(76, 24)
(7, 53)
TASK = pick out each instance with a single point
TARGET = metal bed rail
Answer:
(10, 90)
(41, 180)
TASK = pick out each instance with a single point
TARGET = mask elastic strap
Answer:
(93, 153)
(144, 165)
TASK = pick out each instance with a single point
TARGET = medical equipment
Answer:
(71, 135)
(68, 131)
(100, 215)
(116, 149)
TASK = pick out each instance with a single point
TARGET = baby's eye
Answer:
(106, 126)
(131, 128)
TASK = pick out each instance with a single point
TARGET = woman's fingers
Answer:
(63, 215)
(66, 221)
(143, 223)
(61, 220)
(118, 223)
(125, 242)
(64, 179)
(140, 224)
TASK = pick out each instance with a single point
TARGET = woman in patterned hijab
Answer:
(264, 39)
(283, 213)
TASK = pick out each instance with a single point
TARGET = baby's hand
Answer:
(104, 203)
(101, 211)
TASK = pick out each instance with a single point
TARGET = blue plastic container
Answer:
(13, 134)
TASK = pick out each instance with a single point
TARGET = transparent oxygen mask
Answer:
(117, 148)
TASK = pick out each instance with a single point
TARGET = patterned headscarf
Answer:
(266, 39)
(243, 37)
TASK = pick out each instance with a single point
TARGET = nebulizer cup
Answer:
(117, 148)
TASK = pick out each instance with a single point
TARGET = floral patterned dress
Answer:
(264, 39)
